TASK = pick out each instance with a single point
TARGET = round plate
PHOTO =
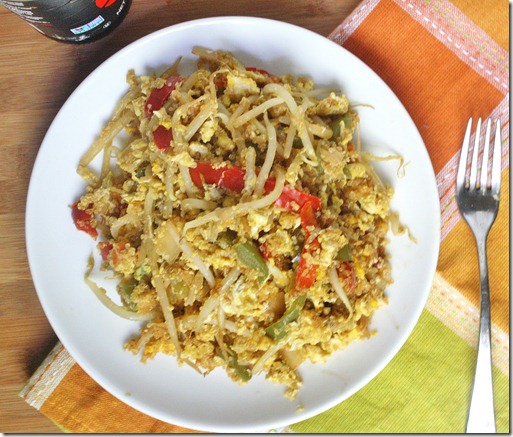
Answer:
(95, 337)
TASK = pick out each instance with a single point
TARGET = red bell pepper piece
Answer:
(232, 178)
(162, 137)
(113, 253)
(290, 195)
(83, 220)
(158, 96)
(258, 70)
(307, 214)
(306, 270)
(105, 249)
(220, 81)
(264, 72)
(264, 250)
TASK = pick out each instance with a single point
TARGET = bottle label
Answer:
(72, 21)
(87, 27)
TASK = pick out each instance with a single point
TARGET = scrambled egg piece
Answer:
(238, 87)
(331, 105)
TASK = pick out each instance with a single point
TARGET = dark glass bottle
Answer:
(72, 21)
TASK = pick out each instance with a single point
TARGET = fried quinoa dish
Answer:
(245, 225)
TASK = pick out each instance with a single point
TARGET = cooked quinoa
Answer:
(246, 228)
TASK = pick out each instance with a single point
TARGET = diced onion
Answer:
(165, 245)
(127, 219)
(294, 358)
(320, 131)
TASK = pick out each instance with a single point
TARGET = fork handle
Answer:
(481, 416)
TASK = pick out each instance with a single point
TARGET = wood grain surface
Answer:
(37, 75)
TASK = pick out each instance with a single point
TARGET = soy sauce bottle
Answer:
(72, 21)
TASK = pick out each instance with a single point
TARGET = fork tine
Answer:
(496, 159)
(462, 167)
(475, 154)
(486, 152)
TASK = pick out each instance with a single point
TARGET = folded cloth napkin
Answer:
(446, 61)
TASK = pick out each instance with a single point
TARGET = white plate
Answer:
(94, 336)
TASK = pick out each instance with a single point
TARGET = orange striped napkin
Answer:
(446, 61)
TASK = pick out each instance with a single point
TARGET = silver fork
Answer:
(478, 201)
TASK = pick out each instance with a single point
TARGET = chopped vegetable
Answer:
(258, 70)
(158, 96)
(162, 137)
(307, 270)
(291, 196)
(355, 170)
(181, 289)
(307, 215)
(336, 127)
(278, 329)
(232, 178)
(104, 248)
(242, 371)
(344, 254)
(83, 220)
(126, 286)
(297, 143)
(250, 256)
(271, 76)
(226, 238)
(142, 271)
(264, 250)
(232, 360)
